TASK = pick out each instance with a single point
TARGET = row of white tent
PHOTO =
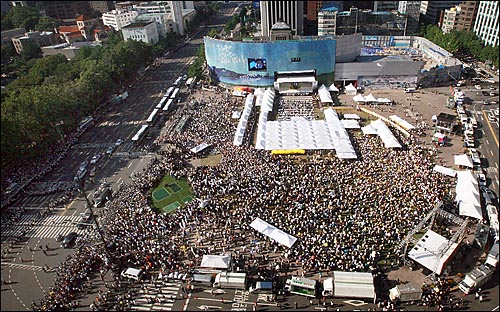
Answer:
(380, 128)
(370, 99)
(242, 124)
(324, 94)
(265, 99)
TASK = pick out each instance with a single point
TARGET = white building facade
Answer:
(327, 23)
(119, 19)
(486, 25)
(450, 19)
(290, 12)
(141, 31)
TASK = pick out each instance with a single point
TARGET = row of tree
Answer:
(461, 43)
(56, 91)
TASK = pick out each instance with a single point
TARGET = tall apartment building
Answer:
(119, 19)
(468, 13)
(412, 11)
(450, 19)
(66, 9)
(433, 11)
(385, 6)
(327, 21)
(486, 24)
(174, 8)
(102, 6)
(290, 12)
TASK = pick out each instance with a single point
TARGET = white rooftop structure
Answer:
(467, 195)
(463, 160)
(273, 232)
(430, 251)
(324, 94)
(445, 170)
(215, 261)
(383, 132)
(242, 124)
(350, 124)
(401, 122)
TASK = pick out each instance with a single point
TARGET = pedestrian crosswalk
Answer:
(46, 227)
(23, 266)
(156, 296)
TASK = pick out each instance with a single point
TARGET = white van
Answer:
(132, 273)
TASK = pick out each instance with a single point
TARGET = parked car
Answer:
(110, 150)
(477, 87)
(486, 93)
(487, 193)
(475, 156)
(93, 172)
(83, 165)
(119, 142)
(69, 240)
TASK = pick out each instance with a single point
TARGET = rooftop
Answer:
(138, 24)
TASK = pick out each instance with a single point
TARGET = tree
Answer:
(47, 23)
(21, 16)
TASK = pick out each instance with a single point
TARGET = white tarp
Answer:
(467, 195)
(267, 101)
(401, 122)
(350, 124)
(444, 170)
(358, 98)
(431, 253)
(368, 129)
(333, 88)
(350, 89)
(351, 116)
(214, 261)
(384, 133)
(463, 160)
(324, 94)
(200, 147)
(273, 232)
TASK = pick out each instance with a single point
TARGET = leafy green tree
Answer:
(47, 23)
(20, 16)
(30, 51)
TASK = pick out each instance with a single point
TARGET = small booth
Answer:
(439, 139)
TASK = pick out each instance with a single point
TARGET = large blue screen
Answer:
(228, 61)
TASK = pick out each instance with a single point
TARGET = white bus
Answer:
(152, 117)
(167, 106)
(140, 135)
(162, 101)
(168, 92)
(84, 124)
(174, 94)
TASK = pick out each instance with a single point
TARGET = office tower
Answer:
(433, 11)
(290, 12)
(486, 24)
(412, 11)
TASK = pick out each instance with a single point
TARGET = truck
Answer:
(476, 278)
(235, 280)
(405, 293)
(301, 286)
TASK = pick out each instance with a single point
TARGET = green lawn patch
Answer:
(171, 194)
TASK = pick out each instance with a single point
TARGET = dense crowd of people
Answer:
(347, 215)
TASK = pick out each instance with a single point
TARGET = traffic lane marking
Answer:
(491, 128)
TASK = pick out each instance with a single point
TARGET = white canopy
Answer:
(467, 195)
(384, 133)
(214, 261)
(236, 115)
(439, 135)
(324, 94)
(368, 129)
(350, 89)
(383, 100)
(351, 116)
(370, 98)
(259, 91)
(444, 170)
(350, 124)
(273, 232)
(463, 160)
(401, 122)
(431, 253)
(242, 125)
(358, 98)
(353, 284)
(200, 147)
(333, 88)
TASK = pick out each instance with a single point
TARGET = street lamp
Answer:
(89, 205)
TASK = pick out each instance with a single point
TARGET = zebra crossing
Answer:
(46, 227)
(23, 266)
(156, 296)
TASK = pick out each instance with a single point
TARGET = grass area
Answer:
(178, 194)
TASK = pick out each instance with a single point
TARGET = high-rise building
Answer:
(412, 11)
(119, 19)
(66, 9)
(486, 24)
(102, 6)
(450, 19)
(290, 12)
(468, 12)
(327, 21)
(433, 11)
(383, 6)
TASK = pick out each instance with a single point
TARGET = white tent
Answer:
(467, 195)
(431, 252)
(444, 170)
(351, 116)
(217, 262)
(200, 147)
(259, 91)
(358, 98)
(350, 89)
(463, 160)
(236, 115)
(385, 134)
(439, 135)
(333, 88)
(273, 232)
(384, 100)
(370, 98)
(353, 284)
(401, 122)
(369, 130)
(324, 94)
(350, 124)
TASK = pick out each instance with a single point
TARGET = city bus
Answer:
(140, 135)
(169, 91)
(174, 94)
(162, 101)
(167, 106)
(153, 116)
(84, 124)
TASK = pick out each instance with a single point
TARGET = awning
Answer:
(333, 88)
(214, 261)
(273, 232)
